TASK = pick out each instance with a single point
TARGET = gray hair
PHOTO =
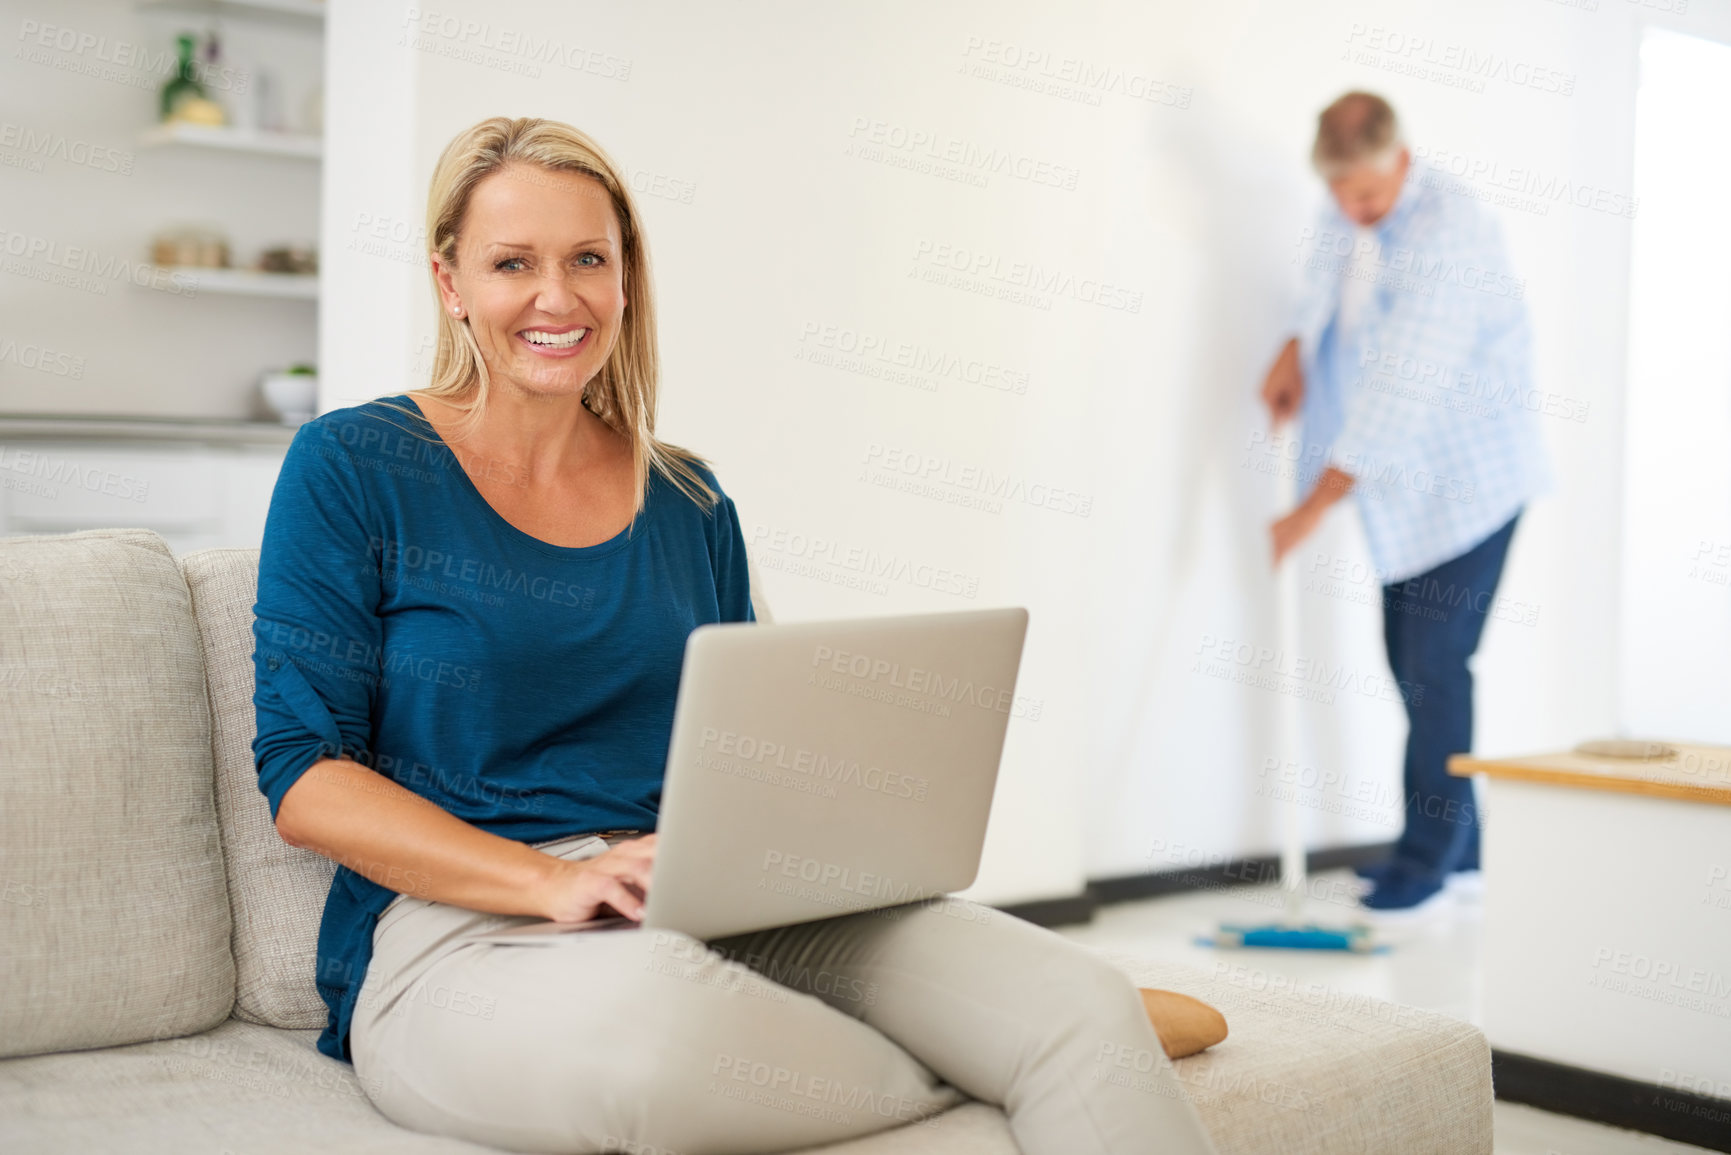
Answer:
(1358, 129)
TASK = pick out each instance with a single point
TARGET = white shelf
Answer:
(299, 11)
(249, 282)
(234, 139)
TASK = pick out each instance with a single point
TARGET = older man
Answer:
(1411, 366)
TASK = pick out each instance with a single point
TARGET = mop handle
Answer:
(1292, 858)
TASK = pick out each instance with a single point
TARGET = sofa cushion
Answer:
(239, 1088)
(115, 920)
(1299, 1075)
(245, 1087)
(1310, 1069)
(277, 891)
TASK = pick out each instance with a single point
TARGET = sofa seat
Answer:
(1302, 1073)
(240, 1088)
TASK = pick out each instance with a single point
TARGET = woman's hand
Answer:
(616, 879)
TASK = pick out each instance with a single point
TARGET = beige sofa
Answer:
(157, 937)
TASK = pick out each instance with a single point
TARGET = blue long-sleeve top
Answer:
(525, 687)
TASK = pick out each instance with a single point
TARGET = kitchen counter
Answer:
(200, 483)
(1607, 915)
(71, 427)
(1694, 773)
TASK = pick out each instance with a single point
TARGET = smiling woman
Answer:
(524, 525)
(542, 277)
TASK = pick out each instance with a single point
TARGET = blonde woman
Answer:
(473, 603)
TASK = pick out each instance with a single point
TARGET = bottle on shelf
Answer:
(183, 95)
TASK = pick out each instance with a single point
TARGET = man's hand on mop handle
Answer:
(1288, 531)
(1283, 393)
(1283, 388)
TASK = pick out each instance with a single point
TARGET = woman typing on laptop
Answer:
(472, 606)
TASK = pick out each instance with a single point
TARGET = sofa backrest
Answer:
(277, 891)
(114, 919)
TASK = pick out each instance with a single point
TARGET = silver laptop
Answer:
(823, 768)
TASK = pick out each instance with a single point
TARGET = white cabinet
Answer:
(1606, 924)
(196, 495)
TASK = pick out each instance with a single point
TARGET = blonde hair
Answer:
(624, 392)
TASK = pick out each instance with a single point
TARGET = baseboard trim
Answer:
(1076, 909)
(1684, 1116)
(1236, 872)
(1049, 912)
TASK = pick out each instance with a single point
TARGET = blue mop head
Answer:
(1308, 936)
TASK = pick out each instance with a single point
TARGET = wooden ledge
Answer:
(1693, 774)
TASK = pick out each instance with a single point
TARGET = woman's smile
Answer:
(553, 343)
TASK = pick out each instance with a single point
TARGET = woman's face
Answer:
(539, 278)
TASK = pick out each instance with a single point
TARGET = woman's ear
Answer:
(449, 299)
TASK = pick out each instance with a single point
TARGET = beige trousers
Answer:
(649, 1041)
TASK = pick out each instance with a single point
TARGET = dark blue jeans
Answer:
(1432, 624)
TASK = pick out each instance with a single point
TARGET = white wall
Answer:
(1677, 557)
(1186, 128)
(374, 282)
(81, 199)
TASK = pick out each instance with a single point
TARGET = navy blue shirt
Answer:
(527, 688)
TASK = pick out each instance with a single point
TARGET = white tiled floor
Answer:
(1432, 963)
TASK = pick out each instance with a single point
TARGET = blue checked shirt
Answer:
(1428, 399)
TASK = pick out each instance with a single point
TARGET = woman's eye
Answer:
(516, 264)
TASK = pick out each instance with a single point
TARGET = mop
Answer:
(1292, 932)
